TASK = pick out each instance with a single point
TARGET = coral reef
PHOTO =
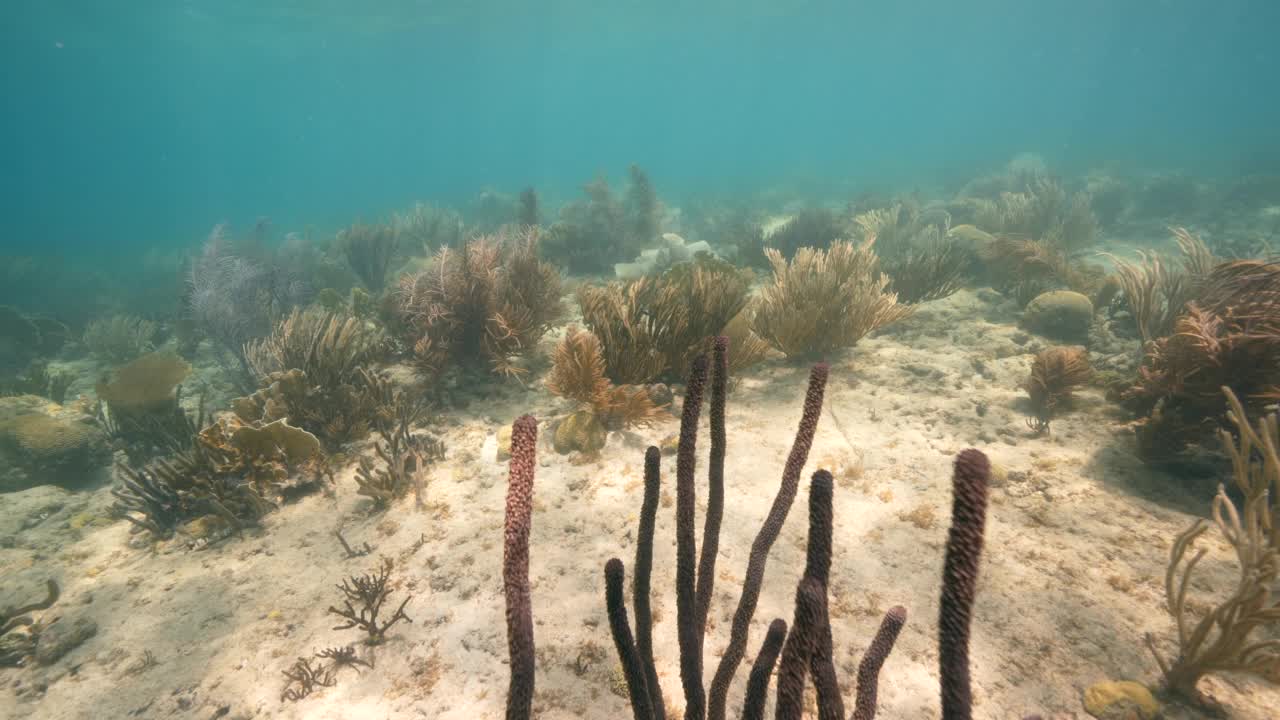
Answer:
(120, 338)
(1233, 634)
(491, 301)
(1055, 373)
(368, 593)
(824, 300)
(370, 250)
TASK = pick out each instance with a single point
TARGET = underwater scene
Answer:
(568, 360)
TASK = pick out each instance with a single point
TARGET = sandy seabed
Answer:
(1073, 573)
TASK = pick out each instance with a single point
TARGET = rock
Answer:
(62, 637)
(504, 443)
(1120, 700)
(1060, 314)
(581, 432)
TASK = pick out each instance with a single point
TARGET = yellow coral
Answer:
(1101, 698)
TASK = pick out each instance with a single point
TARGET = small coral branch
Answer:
(368, 593)
(343, 657)
(1232, 636)
(1055, 373)
(304, 679)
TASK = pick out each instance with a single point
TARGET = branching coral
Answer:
(929, 273)
(1232, 341)
(237, 473)
(1055, 373)
(304, 679)
(120, 338)
(336, 413)
(370, 250)
(405, 455)
(1226, 638)
(922, 260)
(328, 347)
(1157, 293)
(578, 373)
(651, 328)
(311, 369)
(825, 300)
(171, 491)
(364, 596)
(491, 301)
(344, 656)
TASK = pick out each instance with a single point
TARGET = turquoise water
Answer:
(145, 123)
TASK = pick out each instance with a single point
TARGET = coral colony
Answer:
(339, 375)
